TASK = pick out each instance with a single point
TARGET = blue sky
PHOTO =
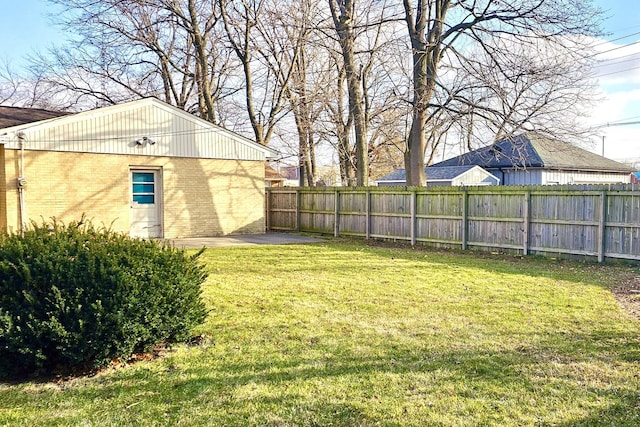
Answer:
(619, 78)
(25, 28)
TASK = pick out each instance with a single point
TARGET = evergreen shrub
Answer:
(76, 297)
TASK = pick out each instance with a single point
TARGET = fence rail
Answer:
(593, 221)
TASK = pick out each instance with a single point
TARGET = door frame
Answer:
(158, 193)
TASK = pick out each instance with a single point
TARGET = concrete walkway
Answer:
(244, 239)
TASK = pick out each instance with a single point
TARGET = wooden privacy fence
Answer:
(594, 221)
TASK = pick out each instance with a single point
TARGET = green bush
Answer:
(78, 297)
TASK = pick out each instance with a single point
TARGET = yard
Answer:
(341, 333)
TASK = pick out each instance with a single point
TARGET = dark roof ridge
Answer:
(15, 116)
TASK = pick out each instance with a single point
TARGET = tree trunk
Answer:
(342, 14)
(204, 90)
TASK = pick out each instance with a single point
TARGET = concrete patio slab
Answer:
(244, 239)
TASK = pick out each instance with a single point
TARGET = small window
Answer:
(143, 187)
(143, 177)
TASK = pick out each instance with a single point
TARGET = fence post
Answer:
(527, 222)
(367, 212)
(413, 218)
(602, 226)
(336, 214)
(298, 214)
(465, 218)
(267, 209)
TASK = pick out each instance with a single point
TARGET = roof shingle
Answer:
(434, 173)
(535, 151)
(15, 116)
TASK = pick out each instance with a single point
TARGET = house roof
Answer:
(15, 116)
(434, 173)
(535, 151)
(271, 174)
(118, 129)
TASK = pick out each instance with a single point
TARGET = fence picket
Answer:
(601, 221)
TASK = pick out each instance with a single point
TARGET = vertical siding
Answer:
(523, 177)
(114, 130)
(572, 177)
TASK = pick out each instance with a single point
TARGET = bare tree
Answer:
(343, 14)
(300, 70)
(339, 122)
(26, 89)
(266, 57)
(309, 72)
(125, 49)
(541, 90)
(443, 32)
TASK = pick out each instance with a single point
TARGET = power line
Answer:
(619, 71)
(625, 119)
(606, 125)
(602, 63)
(616, 39)
(615, 48)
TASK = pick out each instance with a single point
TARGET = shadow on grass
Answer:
(223, 387)
(306, 380)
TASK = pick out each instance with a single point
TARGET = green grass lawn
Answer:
(341, 333)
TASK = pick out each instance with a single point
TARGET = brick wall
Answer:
(201, 197)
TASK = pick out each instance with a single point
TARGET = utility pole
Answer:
(606, 125)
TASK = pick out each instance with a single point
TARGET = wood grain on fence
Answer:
(594, 221)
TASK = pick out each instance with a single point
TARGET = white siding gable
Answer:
(169, 132)
(476, 176)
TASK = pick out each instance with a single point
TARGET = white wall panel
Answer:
(115, 130)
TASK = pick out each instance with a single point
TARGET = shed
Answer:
(144, 167)
(468, 175)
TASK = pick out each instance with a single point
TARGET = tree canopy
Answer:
(373, 83)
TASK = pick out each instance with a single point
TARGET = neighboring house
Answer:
(529, 159)
(272, 178)
(144, 168)
(468, 175)
(635, 177)
(14, 116)
(325, 176)
(291, 175)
